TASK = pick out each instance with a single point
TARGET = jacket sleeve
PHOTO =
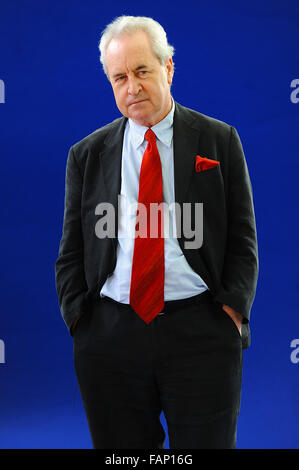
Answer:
(71, 284)
(240, 272)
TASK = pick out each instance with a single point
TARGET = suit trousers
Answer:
(186, 362)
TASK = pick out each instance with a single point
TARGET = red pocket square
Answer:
(202, 163)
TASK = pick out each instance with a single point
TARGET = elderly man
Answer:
(159, 323)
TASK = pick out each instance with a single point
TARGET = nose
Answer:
(134, 86)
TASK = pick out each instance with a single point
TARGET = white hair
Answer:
(130, 24)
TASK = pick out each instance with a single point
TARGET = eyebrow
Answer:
(141, 67)
(136, 70)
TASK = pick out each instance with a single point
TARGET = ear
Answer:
(169, 69)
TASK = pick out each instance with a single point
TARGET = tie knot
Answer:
(150, 136)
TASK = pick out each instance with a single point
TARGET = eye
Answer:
(120, 78)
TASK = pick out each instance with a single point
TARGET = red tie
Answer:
(147, 279)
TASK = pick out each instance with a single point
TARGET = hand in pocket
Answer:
(235, 316)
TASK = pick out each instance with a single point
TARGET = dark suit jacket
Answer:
(227, 260)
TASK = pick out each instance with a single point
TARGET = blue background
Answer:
(234, 62)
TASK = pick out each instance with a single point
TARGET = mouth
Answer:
(137, 102)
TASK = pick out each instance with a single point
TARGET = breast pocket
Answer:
(207, 186)
(209, 172)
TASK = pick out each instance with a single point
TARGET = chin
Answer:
(140, 119)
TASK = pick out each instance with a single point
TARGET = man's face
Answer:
(141, 85)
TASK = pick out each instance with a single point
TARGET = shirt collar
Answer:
(163, 130)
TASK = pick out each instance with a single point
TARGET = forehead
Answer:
(130, 51)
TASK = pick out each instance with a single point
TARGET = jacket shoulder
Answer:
(203, 122)
(94, 141)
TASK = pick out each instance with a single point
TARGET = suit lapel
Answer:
(185, 146)
(111, 158)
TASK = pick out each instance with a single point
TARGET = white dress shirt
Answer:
(181, 281)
